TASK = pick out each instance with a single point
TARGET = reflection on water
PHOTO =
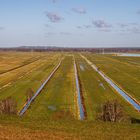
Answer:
(129, 54)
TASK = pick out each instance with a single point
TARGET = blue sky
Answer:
(70, 23)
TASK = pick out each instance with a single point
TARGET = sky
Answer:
(70, 23)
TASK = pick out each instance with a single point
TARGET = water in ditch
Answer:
(81, 109)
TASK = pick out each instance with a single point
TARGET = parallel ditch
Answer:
(81, 106)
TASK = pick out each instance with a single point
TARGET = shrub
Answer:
(111, 111)
(8, 106)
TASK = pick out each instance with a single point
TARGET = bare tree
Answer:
(111, 111)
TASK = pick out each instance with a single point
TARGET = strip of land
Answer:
(33, 80)
(38, 91)
(127, 76)
(125, 95)
(58, 100)
(97, 91)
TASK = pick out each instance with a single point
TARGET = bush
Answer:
(8, 106)
(111, 111)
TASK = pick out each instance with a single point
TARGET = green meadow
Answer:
(55, 111)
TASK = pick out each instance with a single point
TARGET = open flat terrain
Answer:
(96, 91)
(125, 71)
(55, 111)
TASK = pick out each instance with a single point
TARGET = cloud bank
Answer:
(79, 10)
(54, 17)
(101, 24)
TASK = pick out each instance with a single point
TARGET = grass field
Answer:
(58, 99)
(96, 91)
(29, 76)
(61, 130)
(128, 74)
(54, 114)
(18, 60)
